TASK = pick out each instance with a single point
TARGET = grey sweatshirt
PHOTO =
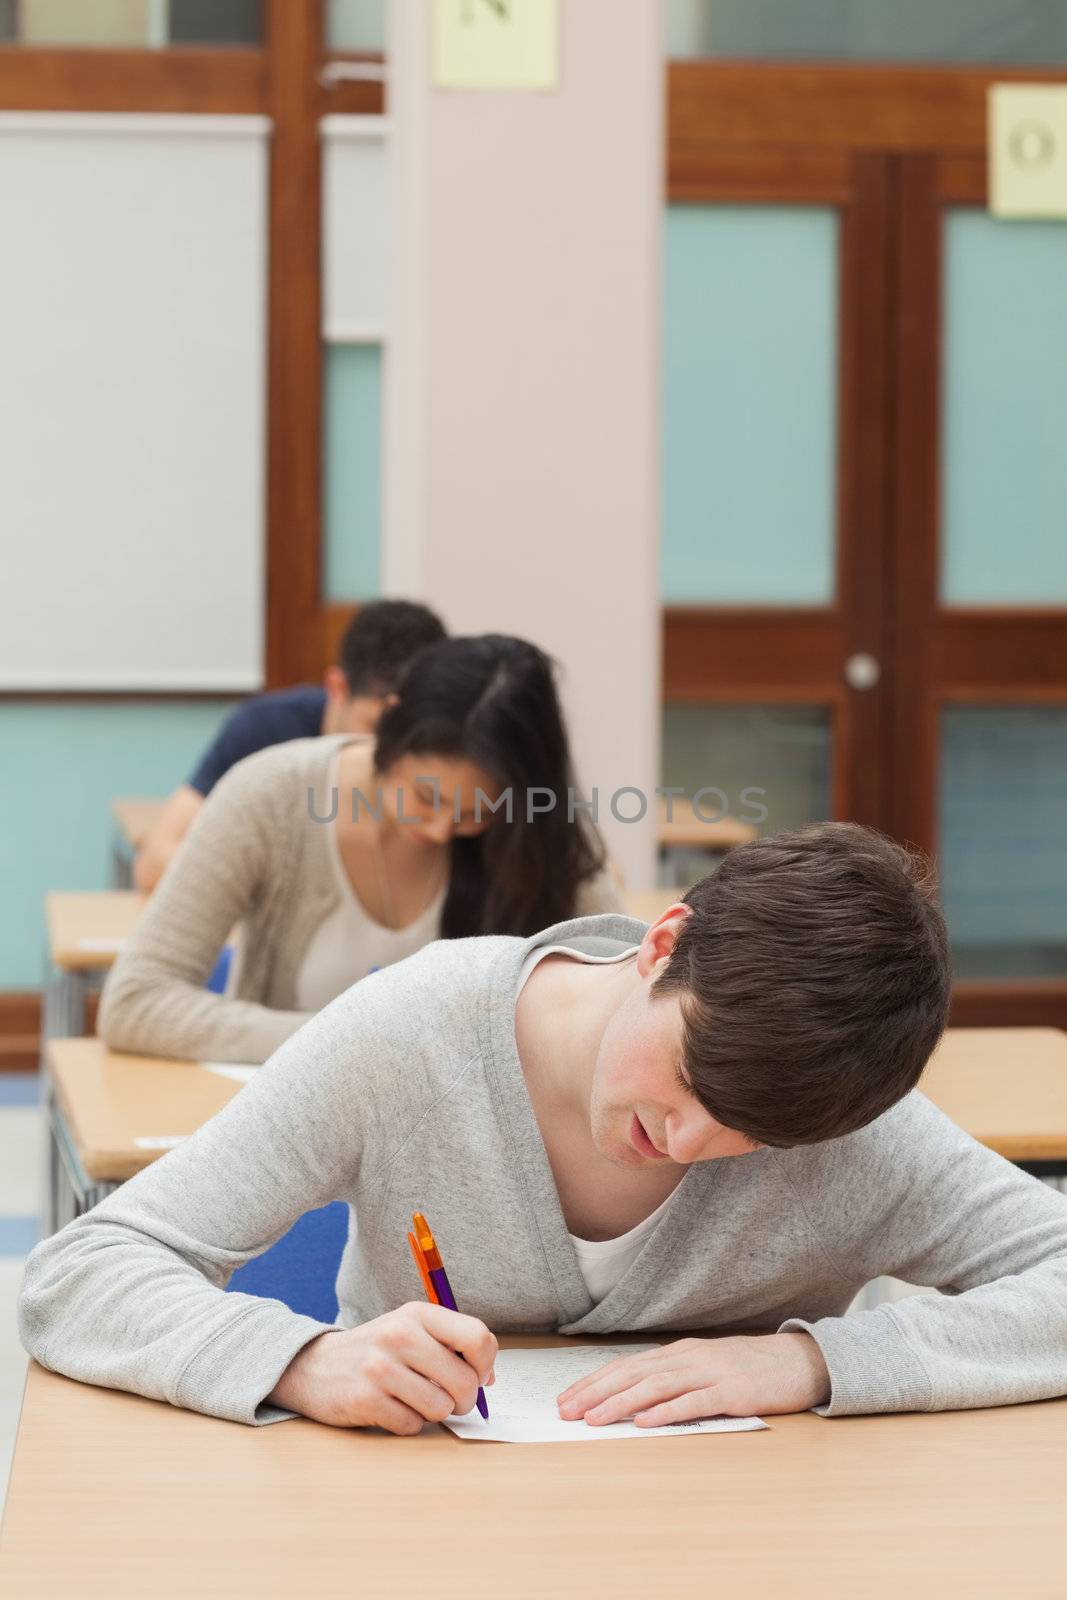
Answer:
(407, 1094)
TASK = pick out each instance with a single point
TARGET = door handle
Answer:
(862, 671)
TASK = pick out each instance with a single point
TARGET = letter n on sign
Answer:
(495, 44)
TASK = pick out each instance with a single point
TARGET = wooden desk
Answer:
(648, 904)
(1007, 1087)
(87, 931)
(146, 1499)
(100, 1104)
(135, 819)
(687, 830)
(85, 934)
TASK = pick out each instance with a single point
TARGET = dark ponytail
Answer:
(492, 701)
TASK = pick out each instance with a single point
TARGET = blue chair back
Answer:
(216, 984)
(301, 1269)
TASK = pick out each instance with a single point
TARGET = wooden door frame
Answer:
(779, 655)
(959, 655)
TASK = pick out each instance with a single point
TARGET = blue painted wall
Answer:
(62, 764)
(352, 471)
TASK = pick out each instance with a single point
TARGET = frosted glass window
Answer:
(133, 24)
(352, 471)
(114, 23)
(750, 405)
(1004, 474)
(1003, 839)
(355, 228)
(870, 30)
(773, 759)
(355, 25)
(215, 21)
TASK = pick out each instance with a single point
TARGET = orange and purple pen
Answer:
(435, 1278)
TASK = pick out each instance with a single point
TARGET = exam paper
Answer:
(522, 1401)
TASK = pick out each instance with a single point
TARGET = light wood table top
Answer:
(686, 829)
(648, 904)
(1006, 1086)
(87, 931)
(135, 819)
(110, 1101)
(115, 1496)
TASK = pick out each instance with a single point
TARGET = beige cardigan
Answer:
(253, 857)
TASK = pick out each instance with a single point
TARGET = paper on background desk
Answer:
(522, 1401)
(231, 1069)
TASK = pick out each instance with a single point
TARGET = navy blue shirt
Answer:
(267, 719)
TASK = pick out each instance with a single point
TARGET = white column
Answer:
(522, 381)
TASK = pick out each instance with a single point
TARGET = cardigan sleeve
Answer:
(154, 1001)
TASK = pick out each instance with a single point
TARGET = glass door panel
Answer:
(1004, 412)
(764, 767)
(750, 405)
(1003, 839)
(130, 24)
(870, 30)
(355, 25)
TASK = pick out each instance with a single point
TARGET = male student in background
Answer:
(375, 649)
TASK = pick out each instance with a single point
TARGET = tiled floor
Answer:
(22, 1149)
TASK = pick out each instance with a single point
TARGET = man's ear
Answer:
(336, 685)
(657, 946)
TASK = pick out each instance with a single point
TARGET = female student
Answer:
(339, 856)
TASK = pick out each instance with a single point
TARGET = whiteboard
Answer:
(132, 401)
(355, 228)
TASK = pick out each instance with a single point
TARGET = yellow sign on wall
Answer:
(1028, 150)
(495, 44)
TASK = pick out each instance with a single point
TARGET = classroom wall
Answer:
(521, 486)
(63, 762)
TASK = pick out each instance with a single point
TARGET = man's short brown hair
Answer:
(814, 979)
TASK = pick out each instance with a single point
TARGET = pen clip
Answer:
(424, 1271)
(427, 1243)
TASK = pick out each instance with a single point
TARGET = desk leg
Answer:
(50, 1209)
(71, 1192)
(64, 1004)
(121, 863)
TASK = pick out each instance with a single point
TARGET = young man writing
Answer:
(705, 1125)
(375, 649)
